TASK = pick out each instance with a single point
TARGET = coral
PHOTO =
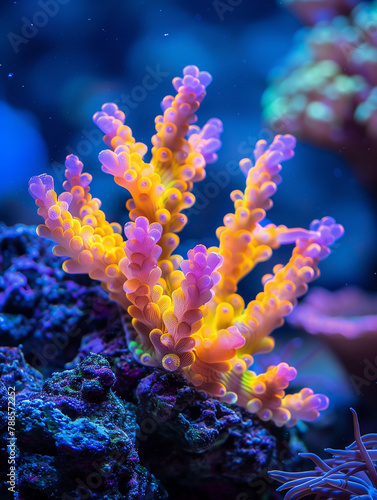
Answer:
(206, 449)
(112, 345)
(15, 372)
(191, 421)
(325, 90)
(346, 320)
(349, 474)
(83, 439)
(186, 315)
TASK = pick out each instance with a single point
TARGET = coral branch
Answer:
(240, 250)
(184, 319)
(286, 284)
(92, 244)
(142, 289)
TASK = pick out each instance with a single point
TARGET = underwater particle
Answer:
(349, 474)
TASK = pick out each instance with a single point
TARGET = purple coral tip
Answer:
(39, 185)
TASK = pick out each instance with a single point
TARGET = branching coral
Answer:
(326, 89)
(349, 474)
(186, 315)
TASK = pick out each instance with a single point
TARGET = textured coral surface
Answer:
(186, 315)
(41, 307)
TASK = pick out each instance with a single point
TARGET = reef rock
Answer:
(76, 439)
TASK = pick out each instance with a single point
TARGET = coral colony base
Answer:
(186, 315)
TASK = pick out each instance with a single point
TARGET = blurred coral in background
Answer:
(346, 320)
(326, 90)
(311, 12)
(350, 312)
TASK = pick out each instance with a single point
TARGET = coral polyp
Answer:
(185, 315)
